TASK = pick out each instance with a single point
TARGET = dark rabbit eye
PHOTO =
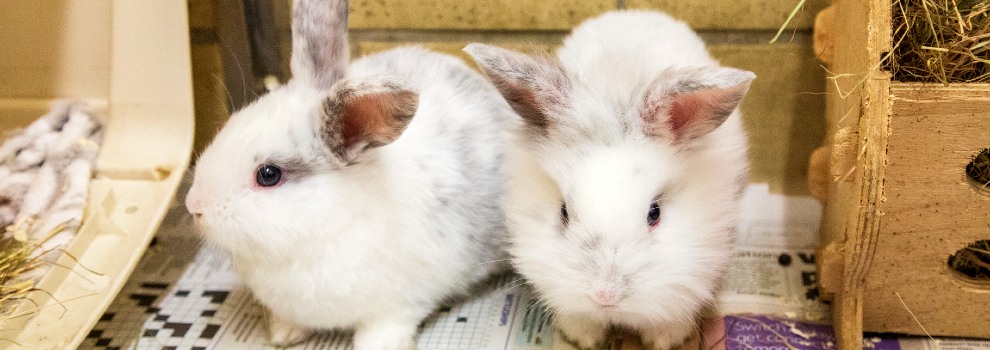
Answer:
(268, 175)
(653, 216)
(563, 213)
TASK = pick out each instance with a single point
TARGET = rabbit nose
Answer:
(194, 206)
(607, 296)
(195, 213)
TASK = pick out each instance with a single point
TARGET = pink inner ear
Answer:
(377, 117)
(694, 114)
(685, 110)
(360, 119)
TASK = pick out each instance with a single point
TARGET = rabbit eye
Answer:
(268, 175)
(653, 216)
(563, 213)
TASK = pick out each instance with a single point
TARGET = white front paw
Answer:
(667, 336)
(579, 333)
(385, 344)
(390, 336)
(563, 341)
(283, 334)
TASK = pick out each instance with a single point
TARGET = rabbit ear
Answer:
(533, 86)
(689, 103)
(319, 42)
(363, 114)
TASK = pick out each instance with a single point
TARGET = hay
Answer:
(973, 261)
(22, 262)
(790, 17)
(943, 41)
(978, 170)
(17, 259)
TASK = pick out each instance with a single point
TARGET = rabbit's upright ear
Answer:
(688, 103)
(363, 114)
(319, 42)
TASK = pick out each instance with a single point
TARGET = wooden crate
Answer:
(899, 200)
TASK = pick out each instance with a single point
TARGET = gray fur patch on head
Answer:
(363, 114)
(592, 244)
(298, 165)
(320, 52)
(654, 114)
(331, 133)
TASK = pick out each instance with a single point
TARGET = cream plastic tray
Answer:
(130, 60)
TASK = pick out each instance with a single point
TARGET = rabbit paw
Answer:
(578, 333)
(283, 334)
(667, 336)
(386, 336)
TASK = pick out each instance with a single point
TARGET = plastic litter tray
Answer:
(130, 60)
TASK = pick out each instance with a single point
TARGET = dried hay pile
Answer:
(15, 262)
(19, 262)
(973, 261)
(943, 41)
(979, 169)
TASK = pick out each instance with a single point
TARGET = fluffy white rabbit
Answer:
(626, 176)
(358, 196)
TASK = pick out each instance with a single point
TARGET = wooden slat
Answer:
(858, 101)
(864, 214)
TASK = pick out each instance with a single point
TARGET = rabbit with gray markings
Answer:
(625, 180)
(358, 196)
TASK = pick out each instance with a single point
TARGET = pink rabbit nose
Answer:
(195, 207)
(607, 297)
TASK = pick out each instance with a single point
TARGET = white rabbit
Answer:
(625, 179)
(358, 197)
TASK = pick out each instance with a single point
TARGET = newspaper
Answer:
(773, 267)
(184, 295)
(766, 332)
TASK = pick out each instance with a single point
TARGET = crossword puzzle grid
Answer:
(154, 316)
